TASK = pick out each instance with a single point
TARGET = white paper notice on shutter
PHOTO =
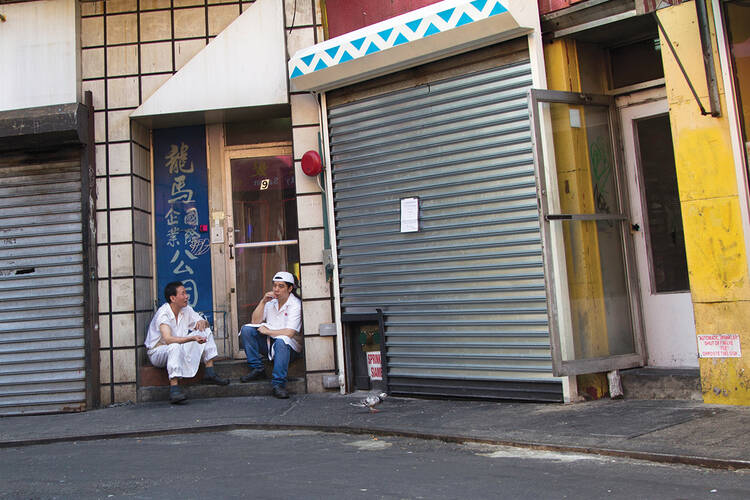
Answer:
(409, 215)
(719, 346)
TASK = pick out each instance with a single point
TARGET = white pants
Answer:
(183, 360)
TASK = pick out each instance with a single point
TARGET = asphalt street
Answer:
(247, 463)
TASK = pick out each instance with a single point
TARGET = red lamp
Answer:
(311, 163)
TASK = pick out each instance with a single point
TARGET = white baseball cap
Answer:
(284, 276)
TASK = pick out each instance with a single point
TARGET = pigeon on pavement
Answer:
(371, 401)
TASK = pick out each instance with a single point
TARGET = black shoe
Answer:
(177, 396)
(280, 392)
(255, 374)
(215, 380)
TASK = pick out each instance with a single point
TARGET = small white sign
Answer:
(719, 346)
(217, 232)
(575, 117)
(374, 365)
(409, 215)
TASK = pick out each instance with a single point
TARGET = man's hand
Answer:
(268, 297)
(199, 339)
(201, 325)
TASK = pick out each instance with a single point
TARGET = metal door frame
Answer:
(232, 153)
(558, 308)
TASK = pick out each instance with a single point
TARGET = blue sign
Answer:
(181, 213)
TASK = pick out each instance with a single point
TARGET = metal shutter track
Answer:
(464, 298)
(42, 353)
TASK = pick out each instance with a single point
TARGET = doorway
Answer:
(658, 239)
(262, 228)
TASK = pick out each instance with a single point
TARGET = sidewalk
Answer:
(684, 432)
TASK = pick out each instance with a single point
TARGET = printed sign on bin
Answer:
(374, 366)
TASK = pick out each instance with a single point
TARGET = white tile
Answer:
(123, 330)
(314, 284)
(122, 260)
(310, 211)
(103, 330)
(101, 159)
(311, 245)
(141, 194)
(185, 50)
(121, 225)
(304, 183)
(119, 125)
(144, 298)
(314, 313)
(92, 63)
(102, 235)
(97, 92)
(141, 161)
(92, 31)
(156, 57)
(119, 192)
(143, 260)
(305, 109)
(305, 139)
(104, 364)
(119, 158)
(156, 26)
(123, 295)
(124, 365)
(319, 353)
(122, 92)
(121, 6)
(221, 16)
(125, 393)
(100, 126)
(102, 261)
(151, 83)
(122, 29)
(300, 38)
(122, 60)
(101, 192)
(189, 23)
(103, 296)
(142, 222)
(303, 14)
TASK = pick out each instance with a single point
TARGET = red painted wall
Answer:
(546, 6)
(349, 15)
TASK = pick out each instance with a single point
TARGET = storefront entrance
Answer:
(262, 229)
(659, 241)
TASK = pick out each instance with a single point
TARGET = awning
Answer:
(439, 30)
(230, 74)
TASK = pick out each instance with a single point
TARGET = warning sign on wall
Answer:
(374, 366)
(719, 346)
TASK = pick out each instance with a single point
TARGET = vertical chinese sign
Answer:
(181, 213)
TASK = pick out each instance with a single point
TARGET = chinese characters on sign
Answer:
(181, 208)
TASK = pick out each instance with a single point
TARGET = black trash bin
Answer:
(365, 353)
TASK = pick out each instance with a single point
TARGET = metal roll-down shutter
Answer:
(42, 352)
(463, 298)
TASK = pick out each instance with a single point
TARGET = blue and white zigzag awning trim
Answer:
(435, 19)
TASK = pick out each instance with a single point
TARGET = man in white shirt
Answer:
(275, 331)
(179, 338)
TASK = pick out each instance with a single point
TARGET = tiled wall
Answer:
(129, 49)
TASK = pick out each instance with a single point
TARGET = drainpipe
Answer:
(708, 57)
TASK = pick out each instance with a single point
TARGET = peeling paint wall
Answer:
(712, 219)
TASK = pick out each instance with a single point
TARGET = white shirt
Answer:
(289, 316)
(181, 326)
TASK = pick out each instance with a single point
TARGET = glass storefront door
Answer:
(595, 322)
(263, 232)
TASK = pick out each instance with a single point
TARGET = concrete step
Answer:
(154, 383)
(234, 389)
(662, 383)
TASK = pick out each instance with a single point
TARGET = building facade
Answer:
(516, 198)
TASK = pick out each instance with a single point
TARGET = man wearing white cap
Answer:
(275, 332)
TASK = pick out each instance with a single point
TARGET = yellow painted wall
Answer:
(714, 238)
(576, 195)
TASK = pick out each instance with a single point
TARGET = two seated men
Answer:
(179, 338)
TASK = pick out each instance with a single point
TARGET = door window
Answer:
(663, 215)
(265, 226)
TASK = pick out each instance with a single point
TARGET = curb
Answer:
(698, 461)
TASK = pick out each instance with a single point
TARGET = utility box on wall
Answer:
(365, 355)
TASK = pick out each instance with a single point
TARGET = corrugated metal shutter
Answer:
(464, 298)
(42, 353)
